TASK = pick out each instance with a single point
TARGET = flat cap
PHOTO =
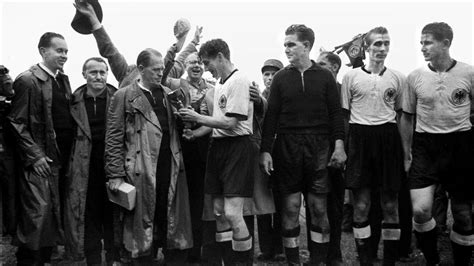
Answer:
(272, 63)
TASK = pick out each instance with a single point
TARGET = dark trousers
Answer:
(163, 177)
(8, 197)
(195, 165)
(98, 216)
(172, 257)
(28, 257)
(335, 203)
(269, 229)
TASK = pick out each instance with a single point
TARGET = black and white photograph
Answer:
(194, 132)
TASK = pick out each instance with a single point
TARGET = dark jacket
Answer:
(302, 103)
(78, 175)
(133, 142)
(31, 119)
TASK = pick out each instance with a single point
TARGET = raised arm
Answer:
(175, 68)
(107, 49)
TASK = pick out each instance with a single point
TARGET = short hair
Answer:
(302, 32)
(213, 47)
(97, 59)
(439, 30)
(332, 58)
(144, 57)
(45, 40)
(376, 30)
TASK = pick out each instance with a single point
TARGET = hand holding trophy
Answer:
(178, 99)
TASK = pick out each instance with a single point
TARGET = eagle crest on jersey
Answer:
(459, 96)
(389, 95)
(222, 102)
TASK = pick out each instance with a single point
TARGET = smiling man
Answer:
(305, 113)
(371, 95)
(194, 149)
(88, 212)
(44, 128)
(440, 150)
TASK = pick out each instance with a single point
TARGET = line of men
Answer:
(71, 144)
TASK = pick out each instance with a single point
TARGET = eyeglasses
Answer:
(194, 62)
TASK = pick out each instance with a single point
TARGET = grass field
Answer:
(347, 245)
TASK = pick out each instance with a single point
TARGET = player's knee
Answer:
(421, 213)
(232, 215)
(462, 221)
(319, 211)
(293, 204)
(291, 213)
(361, 209)
(390, 208)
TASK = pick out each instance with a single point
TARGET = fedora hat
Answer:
(81, 23)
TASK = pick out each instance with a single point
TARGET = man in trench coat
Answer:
(141, 135)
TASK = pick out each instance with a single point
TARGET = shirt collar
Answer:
(368, 72)
(222, 81)
(143, 87)
(449, 68)
(45, 68)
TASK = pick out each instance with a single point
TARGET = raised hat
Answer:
(272, 63)
(81, 23)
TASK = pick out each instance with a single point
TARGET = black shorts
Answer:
(446, 159)
(374, 157)
(300, 163)
(230, 167)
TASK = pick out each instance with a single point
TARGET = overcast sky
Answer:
(254, 30)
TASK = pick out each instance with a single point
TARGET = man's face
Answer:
(324, 62)
(55, 55)
(151, 75)
(267, 75)
(295, 50)
(432, 48)
(95, 75)
(211, 65)
(194, 67)
(379, 47)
